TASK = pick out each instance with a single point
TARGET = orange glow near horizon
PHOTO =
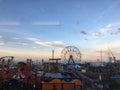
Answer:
(45, 54)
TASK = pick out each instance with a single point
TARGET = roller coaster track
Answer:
(7, 57)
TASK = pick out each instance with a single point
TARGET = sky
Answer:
(33, 28)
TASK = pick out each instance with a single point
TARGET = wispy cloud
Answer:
(6, 39)
(115, 33)
(9, 23)
(103, 31)
(24, 44)
(100, 33)
(39, 23)
(34, 47)
(15, 32)
(110, 29)
(2, 43)
(46, 23)
(47, 43)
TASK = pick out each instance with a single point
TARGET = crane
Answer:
(113, 57)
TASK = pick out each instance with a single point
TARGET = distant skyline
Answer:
(33, 28)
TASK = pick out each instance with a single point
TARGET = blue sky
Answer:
(32, 28)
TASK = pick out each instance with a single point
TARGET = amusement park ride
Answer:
(28, 74)
(6, 71)
(70, 54)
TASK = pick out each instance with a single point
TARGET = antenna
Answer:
(101, 55)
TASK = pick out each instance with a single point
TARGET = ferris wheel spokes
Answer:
(71, 54)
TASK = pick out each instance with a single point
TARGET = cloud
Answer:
(40, 23)
(14, 32)
(2, 43)
(116, 32)
(110, 29)
(103, 31)
(100, 33)
(83, 32)
(118, 29)
(47, 43)
(6, 39)
(34, 47)
(13, 40)
(9, 23)
(46, 23)
(32, 39)
(24, 44)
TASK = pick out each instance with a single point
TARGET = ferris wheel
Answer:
(70, 54)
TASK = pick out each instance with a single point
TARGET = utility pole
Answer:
(101, 55)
